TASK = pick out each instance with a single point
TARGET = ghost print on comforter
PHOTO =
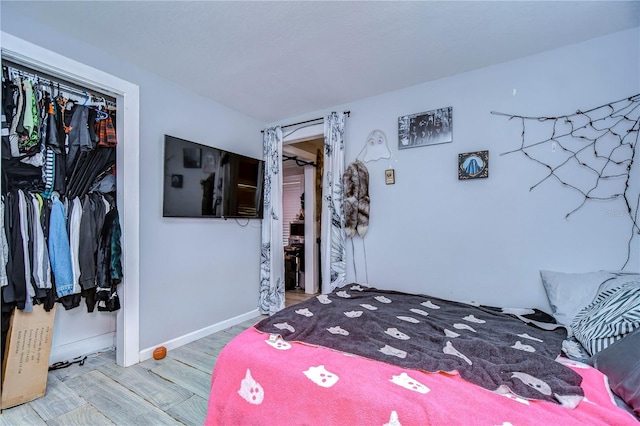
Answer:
(502, 350)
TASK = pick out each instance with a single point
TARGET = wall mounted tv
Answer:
(201, 181)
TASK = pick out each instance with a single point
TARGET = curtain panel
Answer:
(272, 250)
(333, 252)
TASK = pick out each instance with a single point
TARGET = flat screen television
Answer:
(202, 181)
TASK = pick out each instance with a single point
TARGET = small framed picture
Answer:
(473, 165)
(425, 128)
(192, 158)
(390, 176)
(176, 181)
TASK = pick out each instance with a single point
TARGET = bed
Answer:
(364, 356)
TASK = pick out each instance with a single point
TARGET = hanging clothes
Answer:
(60, 236)
(59, 248)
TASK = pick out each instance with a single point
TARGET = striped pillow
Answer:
(613, 314)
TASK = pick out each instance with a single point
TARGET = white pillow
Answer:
(569, 293)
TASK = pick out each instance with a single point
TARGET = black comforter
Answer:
(499, 349)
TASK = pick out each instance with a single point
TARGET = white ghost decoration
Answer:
(356, 288)
(419, 311)
(382, 299)
(324, 299)
(338, 330)
(526, 336)
(450, 333)
(450, 350)
(463, 327)
(321, 377)
(304, 312)
(533, 382)
(394, 332)
(368, 306)
(250, 390)
(376, 147)
(343, 294)
(284, 326)
(390, 350)
(430, 305)
(473, 319)
(278, 342)
(393, 420)
(522, 347)
(408, 319)
(410, 383)
(353, 314)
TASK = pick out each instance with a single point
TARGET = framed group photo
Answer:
(425, 128)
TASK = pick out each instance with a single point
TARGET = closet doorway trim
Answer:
(127, 164)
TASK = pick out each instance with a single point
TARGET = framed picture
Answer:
(426, 128)
(176, 181)
(192, 158)
(473, 165)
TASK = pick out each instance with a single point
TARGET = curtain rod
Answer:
(308, 121)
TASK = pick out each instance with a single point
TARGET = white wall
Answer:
(485, 240)
(198, 272)
(193, 272)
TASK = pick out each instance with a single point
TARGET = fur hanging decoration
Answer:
(356, 199)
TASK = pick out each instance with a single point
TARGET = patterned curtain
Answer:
(332, 248)
(272, 252)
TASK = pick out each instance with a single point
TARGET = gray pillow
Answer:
(621, 363)
(569, 293)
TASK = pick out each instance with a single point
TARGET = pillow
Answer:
(621, 363)
(614, 314)
(569, 293)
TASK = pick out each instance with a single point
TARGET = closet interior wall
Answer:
(60, 223)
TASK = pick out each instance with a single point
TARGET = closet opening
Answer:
(302, 199)
(119, 328)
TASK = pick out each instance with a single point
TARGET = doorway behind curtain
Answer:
(302, 192)
(332, 250)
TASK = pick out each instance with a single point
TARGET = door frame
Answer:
(311, 249)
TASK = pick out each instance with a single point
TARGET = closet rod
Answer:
(298, 161)
(308, 121)
(63, 85)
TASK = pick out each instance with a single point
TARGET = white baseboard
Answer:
(199, 334)
(83, 347)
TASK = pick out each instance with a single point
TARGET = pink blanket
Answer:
(259, 379)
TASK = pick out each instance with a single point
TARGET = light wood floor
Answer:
(171, 391)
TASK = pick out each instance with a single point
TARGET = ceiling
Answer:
(275, 60)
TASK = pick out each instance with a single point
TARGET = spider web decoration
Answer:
(597, 148)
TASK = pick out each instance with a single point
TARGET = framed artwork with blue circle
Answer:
(473, 165)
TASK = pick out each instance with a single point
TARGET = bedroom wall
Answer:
(485, 240)
(193, 272)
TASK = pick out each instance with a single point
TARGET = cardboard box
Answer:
(25, 364)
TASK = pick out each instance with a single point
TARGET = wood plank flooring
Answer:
(171, 391)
